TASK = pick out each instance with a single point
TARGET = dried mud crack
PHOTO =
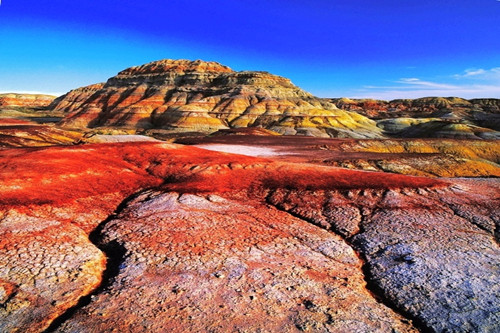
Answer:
(114, 252)
(165, 214)
(420, 258)
(219, 265)
(374, 290)
(223, 242)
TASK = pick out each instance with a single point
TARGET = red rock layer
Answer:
(420, 107)
(26, 100)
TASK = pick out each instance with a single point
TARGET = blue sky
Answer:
(355, 48)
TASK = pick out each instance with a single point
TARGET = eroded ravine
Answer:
(114, 253)
(372, 287)
(411, 243)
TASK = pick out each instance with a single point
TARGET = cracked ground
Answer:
(149, 237)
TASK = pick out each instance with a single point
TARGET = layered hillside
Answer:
(182, 95)
(452, 108)
(25, 100)
(22, 133)
(439, 117)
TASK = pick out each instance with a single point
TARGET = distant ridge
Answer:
(26, 100)
(419, 107)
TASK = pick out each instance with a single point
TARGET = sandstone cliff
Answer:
(182, 95)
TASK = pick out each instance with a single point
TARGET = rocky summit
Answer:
(199, 96)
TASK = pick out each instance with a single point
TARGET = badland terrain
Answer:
(184, 196)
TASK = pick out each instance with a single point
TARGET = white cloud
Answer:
(471, 83)
(427, 84)
(480, 74)
(474, 72)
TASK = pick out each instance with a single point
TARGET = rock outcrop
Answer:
(25, 100)
(427, 107)
(431, 117)
(182, 95)
(21, 133)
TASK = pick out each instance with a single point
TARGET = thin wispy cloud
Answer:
(472, 72)
(480, 74)
(471, 83)
(426, 84)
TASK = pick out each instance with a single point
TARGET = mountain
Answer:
(449, 107)
(199, 96)
(25, 100)
(430, 117)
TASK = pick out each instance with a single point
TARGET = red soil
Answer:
(100, 176)
(13, 121)
(50, 195)
(59, 174)
(296, 177)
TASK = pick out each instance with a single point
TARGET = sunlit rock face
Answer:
(431, 117)
(22, 133)
(25, 100)
(182, 95)
(74, 98)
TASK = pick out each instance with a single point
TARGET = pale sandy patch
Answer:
(120, 138)
(241, 149)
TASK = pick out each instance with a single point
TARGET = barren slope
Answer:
(418, 157)
(25, 100)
